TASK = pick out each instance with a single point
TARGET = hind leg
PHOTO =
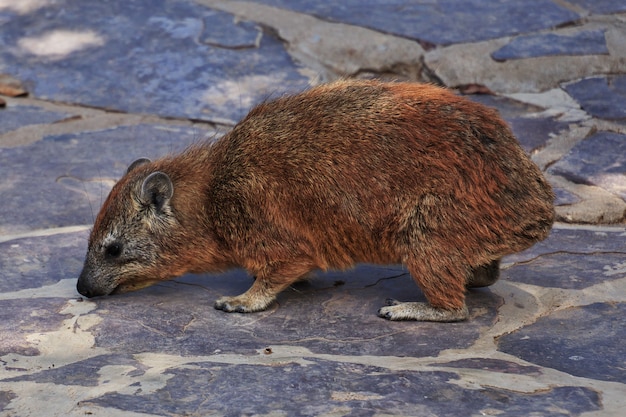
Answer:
(442, 280)
(485, 275)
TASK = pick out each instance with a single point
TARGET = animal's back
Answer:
(345, 169)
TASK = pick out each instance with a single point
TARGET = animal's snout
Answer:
(83, 288)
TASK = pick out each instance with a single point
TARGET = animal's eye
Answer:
(113, 250)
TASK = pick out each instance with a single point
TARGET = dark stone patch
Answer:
(581, 341)
(564, 197)
(494, 365)
(20, 318)
(329, 388)
(39, 261)
(569, 270)
(587, 42)
(62, 180)
(14, 117)
(575, 241)
(149, 56)
(601, 97)
(178, 317)
(598, 160)
(442, 22)
(220, 30)
(82, 373)
(601, 6)
(532, 133)
(5, 398)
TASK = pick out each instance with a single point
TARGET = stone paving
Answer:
(87, 87)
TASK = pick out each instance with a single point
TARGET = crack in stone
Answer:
(507, 265)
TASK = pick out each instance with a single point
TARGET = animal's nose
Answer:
(83, 288)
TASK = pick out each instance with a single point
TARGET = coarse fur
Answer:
(348, 172)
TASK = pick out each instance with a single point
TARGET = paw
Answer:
(241, 304)
(395, 310)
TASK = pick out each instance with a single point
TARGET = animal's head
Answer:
(128, 246)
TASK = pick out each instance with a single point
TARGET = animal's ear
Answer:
(157, 189)
(138, 162)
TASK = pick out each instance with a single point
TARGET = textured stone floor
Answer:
(108, 82)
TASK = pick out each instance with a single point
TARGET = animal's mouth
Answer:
(131, 286)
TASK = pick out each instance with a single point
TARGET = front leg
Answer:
(269, 282)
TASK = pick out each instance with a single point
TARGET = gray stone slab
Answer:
(14, 117)
(601, 6)
(35, 262)
(583, 341)
(598, 160)
(564, 197)
(587, 42)
(568, 270)
(167, 57)
(532, 133)
(601, 97)
(493, 365)
(221, 31)
(335, 313)
(575, 241)
(62, 179)
(20, 318)
(439, 22)
(5, 398)
(331, 388)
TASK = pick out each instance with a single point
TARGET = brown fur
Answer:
(354, 171)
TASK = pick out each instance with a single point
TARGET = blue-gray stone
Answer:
(564, 197)
(14, 117)
(323, 387)
(588, 42)
(568, 271)
(219, 29)
(21, 318)
(82, 373)
(62, 179)
(602, 97)
(532, 133)
(598, 160)
(493, 365)
(5, 398)
(147, 56)
(177, 317)
(585, 341)
(439, 22)
(574, 241)
(34, 262)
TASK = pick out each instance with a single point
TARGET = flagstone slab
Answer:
(602, 97)
(574, 240)
(440, 22)
(330, 388)
(589, 42)
(335, 313)
(63, 179)
(569, 270)
(583, 341)
(35, 262)
(20, 319)
(531, 132)
(14, 117)
(168, 57)
(598, 160)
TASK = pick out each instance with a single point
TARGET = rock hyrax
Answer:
(348, 172)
